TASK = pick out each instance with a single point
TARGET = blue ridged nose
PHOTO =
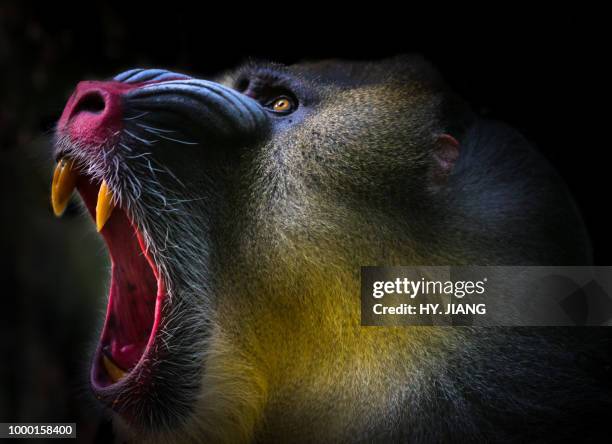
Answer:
(209, 105)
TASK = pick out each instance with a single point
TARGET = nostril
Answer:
(94, 112)
(92, 102)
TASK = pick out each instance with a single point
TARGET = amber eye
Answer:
(282, 105)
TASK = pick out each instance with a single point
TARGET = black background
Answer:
(542, 72)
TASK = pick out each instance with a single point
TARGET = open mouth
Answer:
(136, 290)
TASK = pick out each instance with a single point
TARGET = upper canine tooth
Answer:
(64, 181)
(105, 206)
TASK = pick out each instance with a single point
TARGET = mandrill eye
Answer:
(282, 105)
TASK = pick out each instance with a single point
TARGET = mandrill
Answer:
(237, 214)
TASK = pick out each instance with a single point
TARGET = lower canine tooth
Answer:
(64, 181)
(113, 371)
(105, 206)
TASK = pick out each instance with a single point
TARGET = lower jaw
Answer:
(123, 356)
(106, 376)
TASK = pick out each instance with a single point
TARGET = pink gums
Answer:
(136, 293)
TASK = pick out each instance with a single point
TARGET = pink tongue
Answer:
(126, 356)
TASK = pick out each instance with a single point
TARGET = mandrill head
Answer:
(237, 214)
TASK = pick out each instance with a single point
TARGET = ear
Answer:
(445, 154)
